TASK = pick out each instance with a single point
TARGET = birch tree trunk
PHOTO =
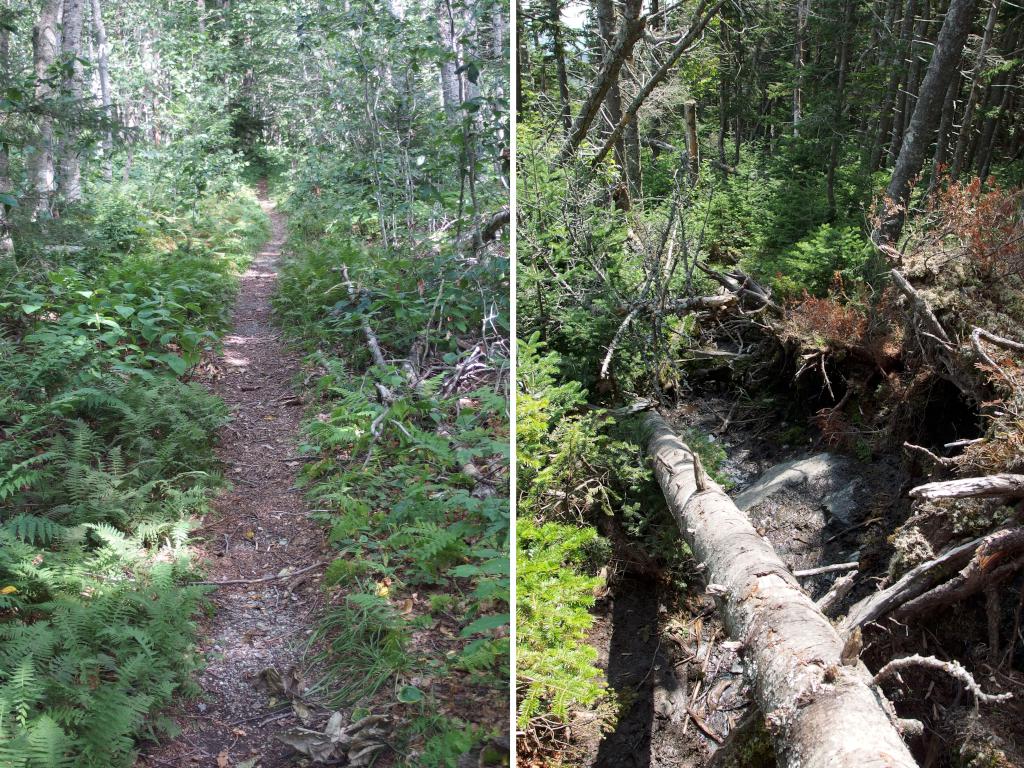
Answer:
(45, 45)
(889, 99)
(613, 101)
(103, 69)
(449, 78)
(820, 705)
(69, 151)
(803, 11)
(6, 188)
(945, 127)
(839, 118)
(948, 50)
(522, 60)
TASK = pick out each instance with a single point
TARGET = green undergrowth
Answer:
(419, 587)
(106, 461)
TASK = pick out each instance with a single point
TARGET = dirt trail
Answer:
(258, 528)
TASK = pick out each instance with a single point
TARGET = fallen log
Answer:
(821, 712)
(971, 487)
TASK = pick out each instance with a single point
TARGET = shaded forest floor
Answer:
(254, 634)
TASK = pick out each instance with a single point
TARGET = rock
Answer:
(843, 505)
(819, 469)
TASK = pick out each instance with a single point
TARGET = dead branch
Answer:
(827, 569)
(921, 308)
(938, 460)
(925, 585)
(680, 306)
(839, 590)
(952, 668)
(740, 283)
(971, 487)
(629, 33)
(701, 17)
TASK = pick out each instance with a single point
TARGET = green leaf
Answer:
(9, 200)
(124, 311)
(175, 363)
(484, 623)
(410, 694)
(28, 309)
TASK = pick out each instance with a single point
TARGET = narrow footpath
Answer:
(254, 639)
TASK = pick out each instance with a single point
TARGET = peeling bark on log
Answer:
(970, 487)
(821, 712)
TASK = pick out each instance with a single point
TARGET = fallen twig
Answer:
(827, 569)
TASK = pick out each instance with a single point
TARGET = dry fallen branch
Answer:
(971, 487)
(680, 306)
(937, 460)
(937, 582)
(839, 590)
(826, 569)
(952, 668)
(822, 712)
(921, 308)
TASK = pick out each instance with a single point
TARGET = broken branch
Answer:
(952, 668)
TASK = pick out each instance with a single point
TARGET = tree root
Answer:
(952, 668)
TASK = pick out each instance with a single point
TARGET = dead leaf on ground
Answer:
(359, 741)
(223, 760)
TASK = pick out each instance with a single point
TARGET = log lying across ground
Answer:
(822, 713)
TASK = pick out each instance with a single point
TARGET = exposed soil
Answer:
(258, 528)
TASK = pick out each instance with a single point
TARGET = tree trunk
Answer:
(613, 100)
(803, 10)
(941, 68)
(103, 69)
(692, 148)
(449, 79)
(6, 188)
(990, 131)
(967, 124)
(630, 31)
(522, 60)
(45, 46)
(71, 49)
(839, 111)
(723, 97)
(896, 70)
(908, 94)
(558, 50)
(819, 703)
(945, 126)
